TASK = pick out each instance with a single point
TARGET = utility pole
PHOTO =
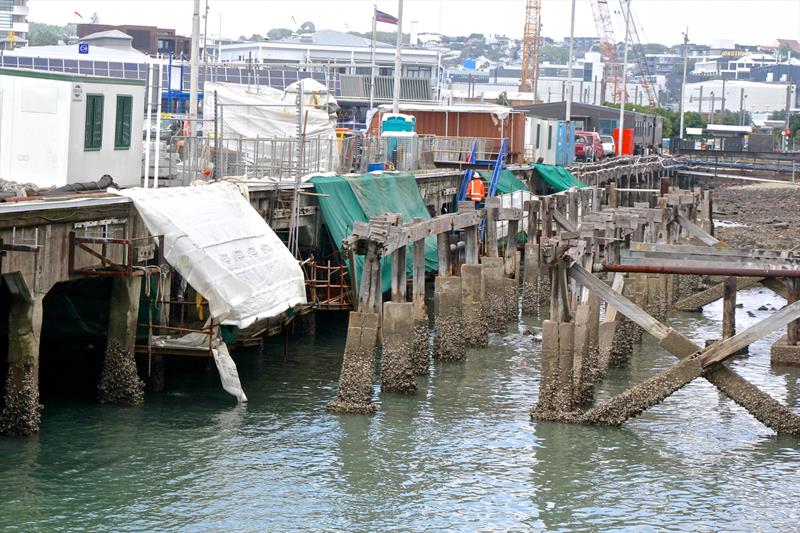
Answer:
(683, 83)
(205, 35)
(568, 112)
(713, 103)
(786, 121)
(741, 106)
(624, 75)
(195, 69)
(700, 102)
(397, 59)
(722, 108)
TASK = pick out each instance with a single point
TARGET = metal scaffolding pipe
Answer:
(701, 271)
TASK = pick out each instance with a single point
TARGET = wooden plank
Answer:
(562, 221)
(696, 231)
(742, 268)
(712, 251)
(616, 285)
(722, 350)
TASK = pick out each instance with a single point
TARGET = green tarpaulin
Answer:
(558, 178)
(359, 198)
(508, 182)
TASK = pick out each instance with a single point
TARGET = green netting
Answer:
(558, 178)
(359, 198)
(508, 182)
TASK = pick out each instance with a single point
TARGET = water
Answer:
(460, 455)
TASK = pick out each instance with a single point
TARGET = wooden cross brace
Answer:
(694, 362)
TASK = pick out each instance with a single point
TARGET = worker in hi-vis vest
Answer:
(476, 190)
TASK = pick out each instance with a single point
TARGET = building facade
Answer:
(147, 39)
(13, 24)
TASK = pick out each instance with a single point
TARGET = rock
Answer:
(763, 308)
(739, 306)
(751, 314)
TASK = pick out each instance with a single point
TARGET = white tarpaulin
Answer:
(228, 374)
(515, 200)
(223, 248)
(251, 112)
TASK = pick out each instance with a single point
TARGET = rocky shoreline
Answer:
(764, 215)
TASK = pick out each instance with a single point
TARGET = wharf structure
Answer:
(92, 287)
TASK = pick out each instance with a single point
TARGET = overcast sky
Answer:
(745, 21)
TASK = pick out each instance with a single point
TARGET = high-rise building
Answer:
(13, 23)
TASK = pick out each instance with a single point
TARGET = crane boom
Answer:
(608, 47)
(531, 41)
(644, 70)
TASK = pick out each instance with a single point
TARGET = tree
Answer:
(47, 34)
(276, 34)
(388, 37)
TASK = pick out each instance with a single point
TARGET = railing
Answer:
(357, 87)
(204, 158)
(457, 150)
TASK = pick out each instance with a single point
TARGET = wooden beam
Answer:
(696, 231)
(729, 307)
(619, 302)
(722, 350)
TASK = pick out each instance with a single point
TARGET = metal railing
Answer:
(255, 158)
(411, 89)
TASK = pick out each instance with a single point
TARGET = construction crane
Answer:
(644, 70)
(531, 42)
(608, 47)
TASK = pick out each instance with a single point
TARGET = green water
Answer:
(460, 455)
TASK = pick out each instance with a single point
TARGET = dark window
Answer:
(538, 135)
(122, 129)
(549, 137)
(93, 136)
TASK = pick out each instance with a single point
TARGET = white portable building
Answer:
(58, 128)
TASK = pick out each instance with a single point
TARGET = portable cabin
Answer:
(485, 121)
(57, 129)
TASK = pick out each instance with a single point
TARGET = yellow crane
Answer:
(531, 42)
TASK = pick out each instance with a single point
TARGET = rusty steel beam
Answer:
(702, 271)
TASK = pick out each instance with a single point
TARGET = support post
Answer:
(421, 349)
(448, 323)
(119, 381)
(729, 307)
(21, 410)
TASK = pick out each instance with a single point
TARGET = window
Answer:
(538, 136)
(122, 128)
(93, 136)
(549, 137)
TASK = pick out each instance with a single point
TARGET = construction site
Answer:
(452, 305)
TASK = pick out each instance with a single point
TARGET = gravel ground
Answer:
(769, 213)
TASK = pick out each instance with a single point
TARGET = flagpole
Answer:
(372, 60)
(397, 59)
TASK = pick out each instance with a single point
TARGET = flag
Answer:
(380, 16)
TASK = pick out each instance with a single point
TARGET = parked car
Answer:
(609, 146)
(580, 148)
(594, 146)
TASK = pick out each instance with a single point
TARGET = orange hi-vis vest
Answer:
(476, 190)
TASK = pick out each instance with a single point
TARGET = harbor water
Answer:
(460, 455)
